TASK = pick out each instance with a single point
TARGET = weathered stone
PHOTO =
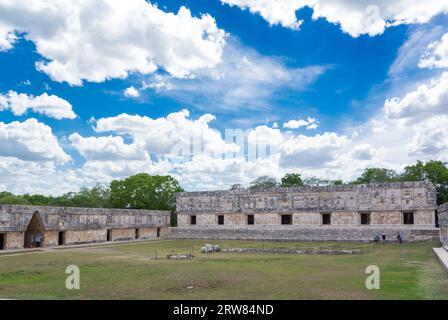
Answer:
(385, 203)
(294, 251)
(179, 256)
(443, 222)
(19, 225)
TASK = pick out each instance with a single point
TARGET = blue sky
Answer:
(93, 91)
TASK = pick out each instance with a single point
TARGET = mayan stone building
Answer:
(31, 226)
(443, 221)
(337, 213)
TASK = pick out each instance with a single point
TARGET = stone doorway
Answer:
(2, 241)
(61, 238)
(34, 235)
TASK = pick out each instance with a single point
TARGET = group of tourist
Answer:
(36, 240)
(377, 238)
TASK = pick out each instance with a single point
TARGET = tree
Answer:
(433, 171)
(377, 175)
(143, 191)
(337, 182)
(236, 186)
(316, 182)
(264, 182)
(292, 180)
(9, 198)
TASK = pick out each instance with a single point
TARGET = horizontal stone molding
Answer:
(17, 218)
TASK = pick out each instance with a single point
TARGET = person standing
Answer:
(399, 238)
(38, 240)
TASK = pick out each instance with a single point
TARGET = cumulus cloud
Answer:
(428, 99)
(310, 124)
(167, 136)
(431, 138)
(436, 55)
(107, 148)
(243, 79)
(131, 92)
(128, 36)
(311, 151)
(354, 17)
(30, 141)
(49, 105)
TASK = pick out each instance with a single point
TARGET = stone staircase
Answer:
(442, 254)
(296, 233)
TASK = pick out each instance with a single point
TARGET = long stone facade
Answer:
(337, 213)
(443, 222)
(21, 226)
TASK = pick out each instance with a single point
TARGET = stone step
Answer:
(425, 232)
(442, 254)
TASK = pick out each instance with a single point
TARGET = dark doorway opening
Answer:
(158, 232)
(286, 219)
(437, 220)
(34, 235)
(61, 238)
(365, 218)
(250, 219)
(137, 234)
(193, 220)
(220, 219)
(109, 235)
(2, 241)
(326, 218)
(408, 217)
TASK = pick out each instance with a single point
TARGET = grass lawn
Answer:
(129, 271)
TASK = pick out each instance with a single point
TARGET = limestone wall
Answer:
(14, 240)
(17, 218)
(385, 202)
(301, 233)
(443, 222)
(85, 236)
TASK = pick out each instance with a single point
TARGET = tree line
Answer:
(143, 191)
(433, 171)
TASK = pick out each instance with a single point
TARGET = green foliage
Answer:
(143, 191)
(236, 186)
(377, 175)
(337, 182)
(434, 171)
(264, 182)
(292, 180)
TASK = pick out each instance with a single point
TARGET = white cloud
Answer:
(311, 151)
(7, 39)
(30, 141)
(49, 105)
(436, 55)
(274, 12)
(244, 79)
(354, 17)
(431, 139)
(107, 148)
(128, 36)
(158, 84)
(310, 124)
(428, 99)
(170, 135)
(363, 152)
(264, 135)
(131, 92)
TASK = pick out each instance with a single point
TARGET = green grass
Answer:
(129, 271)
